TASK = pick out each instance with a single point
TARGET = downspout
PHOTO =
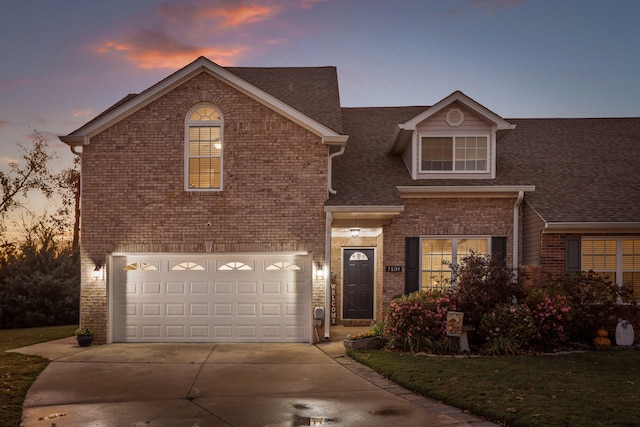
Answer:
(331, 156)
(516, 229)
(327, 275)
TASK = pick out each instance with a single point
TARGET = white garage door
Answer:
(211, 298)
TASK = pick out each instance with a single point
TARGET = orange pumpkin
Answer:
(601, 339)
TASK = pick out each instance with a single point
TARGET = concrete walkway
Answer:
(175, 385)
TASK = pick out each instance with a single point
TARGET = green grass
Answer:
(19, 371)
(597, 388)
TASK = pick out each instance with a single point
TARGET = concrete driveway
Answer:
(203, 385)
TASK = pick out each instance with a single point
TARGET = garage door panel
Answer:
(271, 288)
(212, 298)
(175, 309)
(151, 289)
(247, 310)
(271, 309)
(223, 288)
(199, 310)
(176, 288)
(199, 288)
(223, 310)
(151, 310)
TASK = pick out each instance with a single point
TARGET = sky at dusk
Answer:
(63, 62)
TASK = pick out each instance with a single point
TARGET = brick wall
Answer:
(439, 217)
(274, 177)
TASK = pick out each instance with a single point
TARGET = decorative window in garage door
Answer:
(230, 266)
(188, 266)
(140, 266)
(284, 265)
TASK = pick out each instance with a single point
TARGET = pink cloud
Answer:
(152, 49)
(4, 124)
(178, 31)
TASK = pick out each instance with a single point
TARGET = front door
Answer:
(358, 284)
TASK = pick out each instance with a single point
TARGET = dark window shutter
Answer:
(411, 264)
(572, 254)
(499, 249)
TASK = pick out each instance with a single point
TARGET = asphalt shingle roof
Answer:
(584, 170)
(311, 90)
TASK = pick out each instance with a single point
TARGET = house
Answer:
(227, 204)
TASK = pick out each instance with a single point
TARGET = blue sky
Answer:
(65, 61)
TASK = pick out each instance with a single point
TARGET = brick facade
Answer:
(133, 200)
(443, 217)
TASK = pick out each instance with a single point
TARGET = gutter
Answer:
(516, 229)
(558, 227)
(330, 168)
(327, 276)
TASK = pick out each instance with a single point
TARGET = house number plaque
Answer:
(394, 269)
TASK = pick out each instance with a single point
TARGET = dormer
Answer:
(453, 139)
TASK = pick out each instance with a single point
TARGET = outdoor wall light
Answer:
(319, 271)
(96, 273)
(355, 232)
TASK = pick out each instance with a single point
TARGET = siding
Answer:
(533, 227)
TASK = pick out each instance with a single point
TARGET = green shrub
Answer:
(596, 302)
(482, 283)
(507, 329)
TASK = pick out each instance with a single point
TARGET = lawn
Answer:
(18, 371)
(595, 388)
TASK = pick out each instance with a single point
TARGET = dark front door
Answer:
(358, 284)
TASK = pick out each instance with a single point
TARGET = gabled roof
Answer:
(322, 119)
(405, 129)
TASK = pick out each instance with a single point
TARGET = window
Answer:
(616, 258)
(435, 275)
(455, 154)
(203, 158)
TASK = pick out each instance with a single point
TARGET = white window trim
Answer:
(454, 243)
(454, 136)
(187, 125)
(418, 173)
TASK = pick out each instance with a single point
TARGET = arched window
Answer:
(203, 149)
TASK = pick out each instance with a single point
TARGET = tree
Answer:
(39, 279)
(69, 189)
(31, 174)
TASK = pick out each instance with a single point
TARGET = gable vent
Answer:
(455, 117)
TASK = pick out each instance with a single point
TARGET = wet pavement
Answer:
(175, 385)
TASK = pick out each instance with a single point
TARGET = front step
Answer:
(357, 322)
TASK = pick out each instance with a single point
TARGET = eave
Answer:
(363, 216)
(591, 227)
(462, 191)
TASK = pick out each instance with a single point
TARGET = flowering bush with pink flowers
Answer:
(551, 314)
(415, 321)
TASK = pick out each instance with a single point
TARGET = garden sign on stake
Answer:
(454, 323)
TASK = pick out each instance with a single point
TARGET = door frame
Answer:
(373, 285)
